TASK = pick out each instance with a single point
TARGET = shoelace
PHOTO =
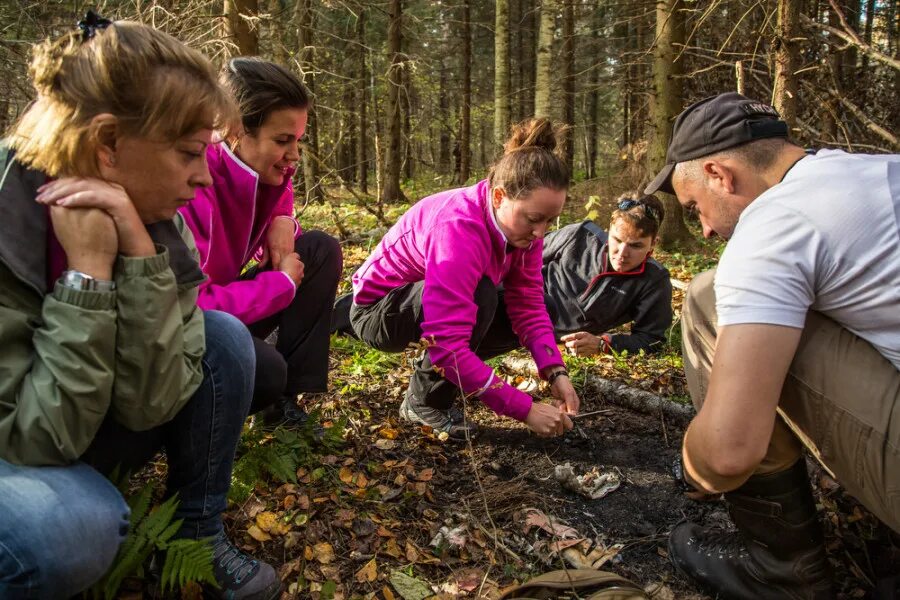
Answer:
(235, 563)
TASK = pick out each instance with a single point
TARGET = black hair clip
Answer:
(91, 24)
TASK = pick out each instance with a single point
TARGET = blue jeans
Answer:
(60, 527)
(201, 440)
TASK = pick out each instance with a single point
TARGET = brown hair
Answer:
(646, 214)
(262, 87)
(533, 157)
(155, 86)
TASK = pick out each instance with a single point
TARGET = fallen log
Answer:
(619, 394)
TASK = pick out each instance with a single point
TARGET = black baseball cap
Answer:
(715, 124)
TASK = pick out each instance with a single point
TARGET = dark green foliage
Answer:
(280, 453)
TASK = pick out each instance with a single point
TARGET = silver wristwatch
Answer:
(82, 281)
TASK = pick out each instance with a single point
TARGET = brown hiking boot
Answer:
(777, 551)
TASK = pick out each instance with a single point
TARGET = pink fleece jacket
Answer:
(229, 220)
(451, 240)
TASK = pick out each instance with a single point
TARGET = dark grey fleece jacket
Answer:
(586, 295)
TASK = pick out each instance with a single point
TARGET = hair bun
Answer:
(537, 133)
(48, 60)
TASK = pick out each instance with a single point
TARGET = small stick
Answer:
(590, 414)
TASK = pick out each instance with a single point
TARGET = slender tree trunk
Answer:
(590, 140)
(466, 118)
(544, 59)
(501, 72)
(528, 46)
(668, 66)
(391, 191)
(303, 17)
(444, 166)
(867, 33)
(568, 56)
(406, 110)
(362, 162)
(786, 86)
(238, 27)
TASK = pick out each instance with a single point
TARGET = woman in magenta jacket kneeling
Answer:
(247, 213)
(453, 261)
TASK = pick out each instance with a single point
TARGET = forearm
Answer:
(159, 346)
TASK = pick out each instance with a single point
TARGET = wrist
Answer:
(556, 374)
(78, 280)
(605, 344)
(96, 269)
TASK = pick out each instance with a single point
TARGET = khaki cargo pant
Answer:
(841, 399)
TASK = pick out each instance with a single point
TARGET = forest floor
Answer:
(378, 508)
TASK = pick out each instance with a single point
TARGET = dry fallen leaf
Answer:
(368, 572)
(323, 553)
(384, 444)
(258, 534)
(346, 474)
(425, 475)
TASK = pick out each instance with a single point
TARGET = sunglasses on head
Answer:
(629, 203)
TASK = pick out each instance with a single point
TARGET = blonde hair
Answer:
(533, 157)
(155, 86)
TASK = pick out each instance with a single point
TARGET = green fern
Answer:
(186, 560)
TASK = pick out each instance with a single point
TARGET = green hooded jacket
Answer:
(69, 358)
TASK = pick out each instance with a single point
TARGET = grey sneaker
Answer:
(452, 421)
(240, 576)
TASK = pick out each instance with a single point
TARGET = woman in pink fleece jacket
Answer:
(248, 212)
(437, 274)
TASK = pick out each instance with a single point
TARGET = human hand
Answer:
(566, 396)
(583, 343)
(76, 192)
(88, 237)
(279, 241)
(293, 266)
(547, 420)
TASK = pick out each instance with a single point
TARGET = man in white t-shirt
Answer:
(794, 340)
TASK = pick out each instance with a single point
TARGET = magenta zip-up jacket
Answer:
(452, 240)
(229, 220)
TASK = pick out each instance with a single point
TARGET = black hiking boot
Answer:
(777, 552)
(239, 576)
(286, 412)
(452, 421)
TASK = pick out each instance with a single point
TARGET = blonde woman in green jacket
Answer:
(103, 354)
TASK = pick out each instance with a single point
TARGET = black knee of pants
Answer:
(271, 376)
(320, 252)
(427, 386)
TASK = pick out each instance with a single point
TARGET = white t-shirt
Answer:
(825, 239)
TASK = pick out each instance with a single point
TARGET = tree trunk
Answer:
(303, 18)
(466, 118)
(501, 73)
(526, 58)
(590, 140)
(406, 109)
(362, 162)
(239, 27)
(568, 56)
(444, 166)
(784, 91)
(544, 59)
(391, 191)
(668, 66)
